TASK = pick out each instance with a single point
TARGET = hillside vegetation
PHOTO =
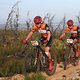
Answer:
(11, 44)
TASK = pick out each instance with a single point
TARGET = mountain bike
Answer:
(69, 56)
(39, 61)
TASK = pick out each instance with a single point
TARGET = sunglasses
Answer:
(38, 23)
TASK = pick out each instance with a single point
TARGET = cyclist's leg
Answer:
(47, 48)
(47, 51)
(75, 46)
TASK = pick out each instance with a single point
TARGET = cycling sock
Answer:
(50, 61)
(50, 64)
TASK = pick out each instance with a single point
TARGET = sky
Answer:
(59, 8)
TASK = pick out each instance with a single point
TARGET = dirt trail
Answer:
(72, 73)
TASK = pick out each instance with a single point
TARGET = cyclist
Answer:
(73, 29)
(46, 36)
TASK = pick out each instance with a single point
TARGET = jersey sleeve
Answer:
(66, 30)
(34, 29)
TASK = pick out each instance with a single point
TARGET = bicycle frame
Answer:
(42, 60)
(40, 54)
(37, 45)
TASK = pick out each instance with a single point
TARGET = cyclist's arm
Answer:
(49, 35)
(62, 35)
(48, 32)
(29, 36)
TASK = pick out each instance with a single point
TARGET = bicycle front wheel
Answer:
(65, 56)
(74, 59)
(30, 62)
(54, 63)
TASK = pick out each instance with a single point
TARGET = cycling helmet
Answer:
(70, 22)
(37, 20)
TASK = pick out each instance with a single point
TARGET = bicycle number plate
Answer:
(74, 32)
(34, 43)
(69, 40)
(42, 31)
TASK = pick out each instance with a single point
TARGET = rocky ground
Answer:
(72, 73)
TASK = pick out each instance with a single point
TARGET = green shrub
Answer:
(35, 76)
(27, 77)
(38, 76)
(13, 44)
(11, 67)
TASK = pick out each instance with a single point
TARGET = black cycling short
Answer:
(48, 44)
(73, 37)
